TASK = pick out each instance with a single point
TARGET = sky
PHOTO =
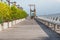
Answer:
(43, 7)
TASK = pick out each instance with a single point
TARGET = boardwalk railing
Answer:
(53, 24)
(10, 24)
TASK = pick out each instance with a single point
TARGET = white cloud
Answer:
(50, 0)
(57, 0)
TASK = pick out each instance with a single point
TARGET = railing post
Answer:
(54, 27)
(58, 26)
(56, 18)
(48, 24)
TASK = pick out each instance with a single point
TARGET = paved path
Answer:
(28, 30)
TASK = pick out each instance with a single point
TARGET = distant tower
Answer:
(34, 10)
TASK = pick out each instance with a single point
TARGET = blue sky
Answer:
(44, 7)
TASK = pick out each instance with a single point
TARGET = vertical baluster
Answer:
(54, 27)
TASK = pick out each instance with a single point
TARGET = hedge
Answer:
(8, 13)
(5, 12)
(18, 13)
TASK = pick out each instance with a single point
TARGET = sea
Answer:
(51, 15)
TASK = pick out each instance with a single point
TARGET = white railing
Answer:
(49, 20)
(53, 24)
(6, 25)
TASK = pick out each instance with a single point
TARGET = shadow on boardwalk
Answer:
(52, 35)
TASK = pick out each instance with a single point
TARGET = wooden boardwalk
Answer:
(29, 30)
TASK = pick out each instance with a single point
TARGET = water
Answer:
(51, 15)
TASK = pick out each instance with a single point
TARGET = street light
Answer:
(8, 1)
(1, 0)
(14, 3)
(18, 6)
(11, 2)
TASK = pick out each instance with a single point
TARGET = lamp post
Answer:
(1, 0)
(11, 2)
(14, 3)
(8, 1)
(17, 5)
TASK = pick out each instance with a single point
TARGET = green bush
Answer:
(5, 12)
(14, 13)
(22, 13)
(8, 13)
(18, 13)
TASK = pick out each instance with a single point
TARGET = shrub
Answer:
(8, 13)
(13, 13)
(22, 14)
(5, 12)
(18, 13)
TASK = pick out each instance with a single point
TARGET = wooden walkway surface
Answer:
(28, 30)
